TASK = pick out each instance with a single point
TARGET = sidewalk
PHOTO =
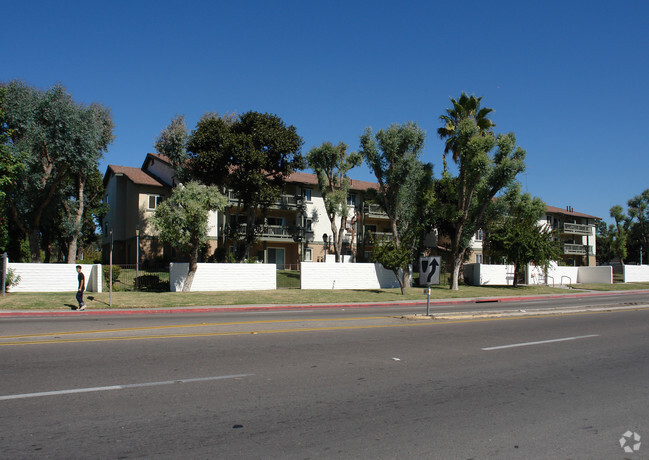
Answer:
(278, 307)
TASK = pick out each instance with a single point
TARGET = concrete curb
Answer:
(244, 308)
(454, 316)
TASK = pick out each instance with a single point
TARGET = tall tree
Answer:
(517, 236)
(465, 107)
(393, 155)
(464, 199)
(11, 167)
(638, 211)
(251, 155)
(181, 220)
(172, 142)
(62, 139)
(331, 164)
(618, 232)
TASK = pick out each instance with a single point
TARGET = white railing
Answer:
(577, 249)
(578, 229)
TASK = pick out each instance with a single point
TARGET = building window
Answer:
(306, 193)
(308, 254)
(309, 225)
(154, 201)
(478, 258)
(351, 199)
(479, 235)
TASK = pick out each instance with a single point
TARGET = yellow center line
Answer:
(180, 326)
(313, 329)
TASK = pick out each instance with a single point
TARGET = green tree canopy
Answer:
(61, 140)
(331, 164)
(182, 219)
(517, 235)
(487, 164)
(172, 142)
(251, 155)
(393, 155)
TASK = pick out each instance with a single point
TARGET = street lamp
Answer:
(325, 238)
(137, 257)
(110, 284)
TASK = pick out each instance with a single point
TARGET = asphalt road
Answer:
(295, 385)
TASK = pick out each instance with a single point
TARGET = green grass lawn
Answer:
(65, 300)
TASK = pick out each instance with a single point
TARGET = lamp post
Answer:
(4, 272)
(110, 283)
(325, 238)
(137, 257)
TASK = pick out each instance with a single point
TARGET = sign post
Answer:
(429, 268)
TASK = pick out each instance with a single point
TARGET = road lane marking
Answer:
(314, 329)
(181, 326)
(525, 344)
(120, 387)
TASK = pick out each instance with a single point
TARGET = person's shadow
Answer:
(72, 307)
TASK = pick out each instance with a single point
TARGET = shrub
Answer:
(11, 279)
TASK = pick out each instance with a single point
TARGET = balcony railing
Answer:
(283, 202)
(373, 210)
(577, 229)
(378, 236)
(268, 231)
(577, 249)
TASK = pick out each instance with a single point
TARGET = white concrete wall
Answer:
(225, 277)
(315, 275)
(503, 275)
(600, 275)
(489, 275)
(636, 273)
(54, 277)
(562, 275)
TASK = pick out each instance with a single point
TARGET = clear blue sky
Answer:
(568, 77)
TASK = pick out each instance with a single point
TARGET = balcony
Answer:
(577, 250)
(269, 232)
(378, 236)
(374, 210)
(577, 229)
(291, 202)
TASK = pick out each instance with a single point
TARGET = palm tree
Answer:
(465, 107)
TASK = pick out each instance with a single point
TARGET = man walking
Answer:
(82, 287)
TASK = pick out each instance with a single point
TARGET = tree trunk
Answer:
(72, 248)
(400, 280)
(456, 261)
(34, 245)
(193, 265)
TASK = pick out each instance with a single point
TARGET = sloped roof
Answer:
(566, 212)
(135, 175)
(312, 179)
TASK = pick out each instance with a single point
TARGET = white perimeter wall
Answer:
(225, 277)
(636, 273)
(54, 277)
(602, 275)
(315, 275)
(489, 275)
(503, 275)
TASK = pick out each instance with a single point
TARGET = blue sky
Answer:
(569, 78)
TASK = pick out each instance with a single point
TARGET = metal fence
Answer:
(131, 278)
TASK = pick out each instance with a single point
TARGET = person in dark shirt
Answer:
(81, 288)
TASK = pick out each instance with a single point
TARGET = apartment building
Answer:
(292, 230)
(574, 230)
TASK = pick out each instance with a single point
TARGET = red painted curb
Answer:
(173, 310)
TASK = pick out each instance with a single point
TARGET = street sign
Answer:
(429, 268)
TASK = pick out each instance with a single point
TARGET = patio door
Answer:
(276, 256)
